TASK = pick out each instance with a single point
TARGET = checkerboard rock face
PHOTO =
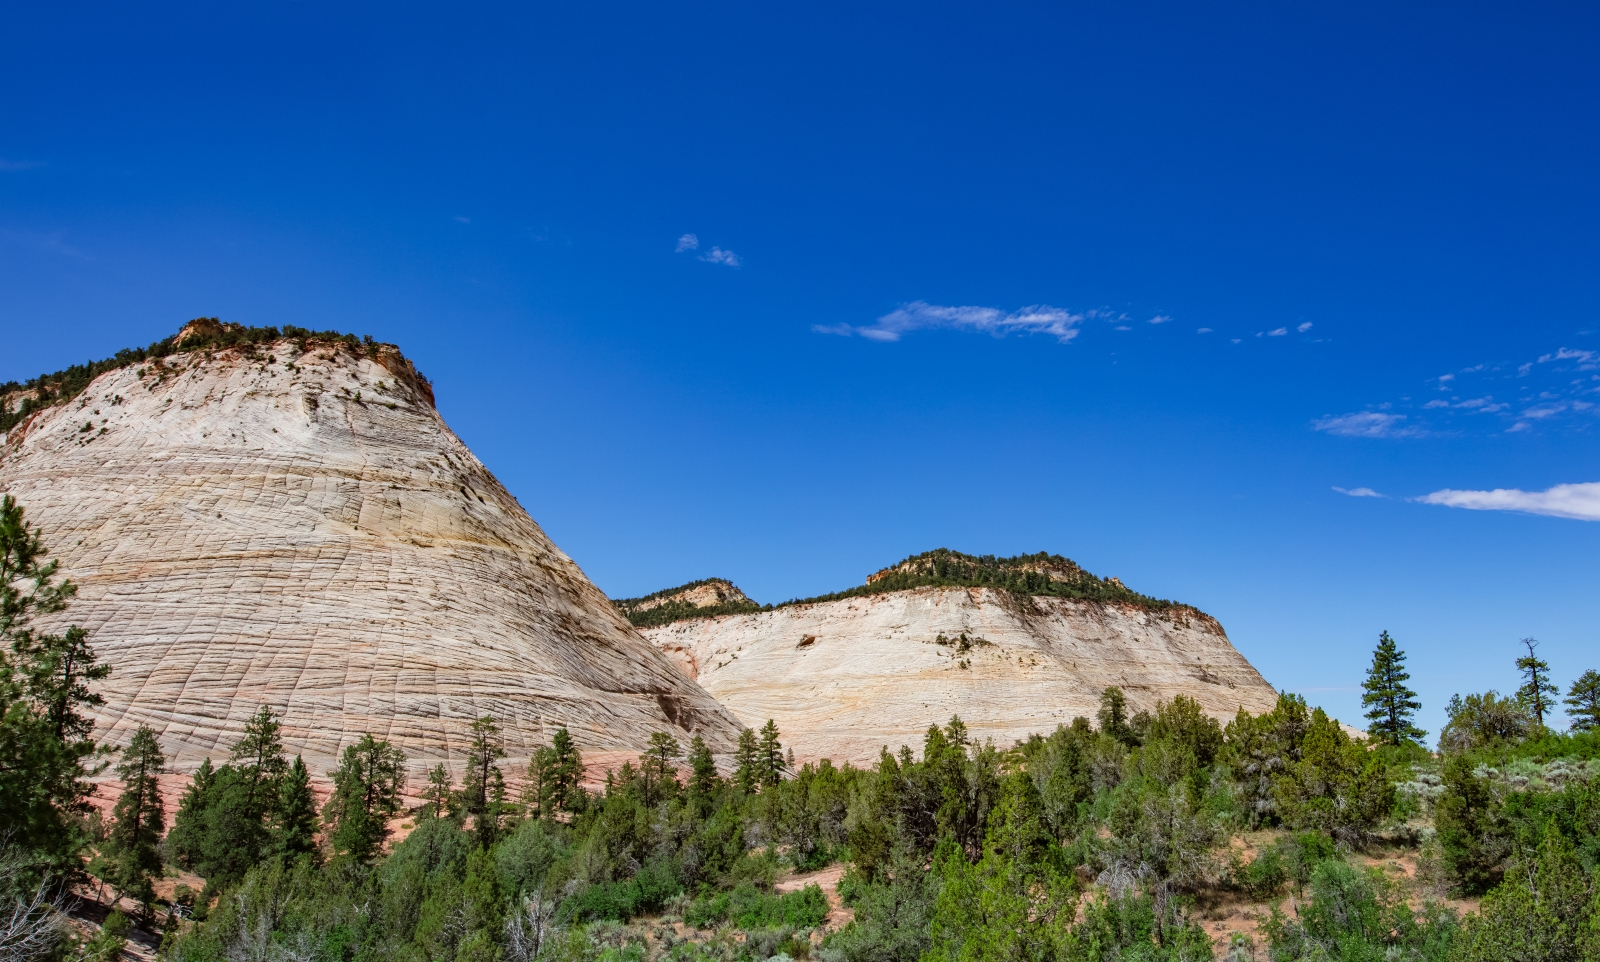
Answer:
(314, 538)
(846, 678)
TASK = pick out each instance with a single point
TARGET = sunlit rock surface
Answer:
(845, 678)
(314, 538)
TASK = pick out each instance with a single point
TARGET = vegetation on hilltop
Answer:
(1040, 575)
(661, 608)
(49, 390)
(1023, 576)
(1111, 840)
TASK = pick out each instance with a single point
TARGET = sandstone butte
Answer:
(292, 524)
(848, 677)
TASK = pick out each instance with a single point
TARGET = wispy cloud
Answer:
(1203, 330)
(1278, 333)
(716, 255)
(1367, 424)
(1304, 327)
(1578, 501)
(463, 220)
(1160, 319)
(919, 315)
(12, 166)
(1585, 359)
(1359, 492)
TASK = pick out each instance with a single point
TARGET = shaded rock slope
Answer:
(846, 676)
(291, 523)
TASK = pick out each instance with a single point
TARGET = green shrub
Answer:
(646, 892)
(750, 908)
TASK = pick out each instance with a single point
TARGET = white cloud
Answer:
(1122, 327)
(1039, 319)
(1366, 424)
(1359, 492)
(1278, 333)
(1160, 319)
(716, 255)
(11, 166)
(1304, 327)
(1568, 354)
(1437, 402)
(1203, 330)
(463, 220)
(1236, 340)
(1578, 501)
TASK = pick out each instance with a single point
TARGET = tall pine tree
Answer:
(770, 761)
(440, 800)
(1583, 702)
(1537, 693)
(484, 787)
(1390, 704)
(46, 752)
(187, 839)
(657, 770)
(1113, 717)
(566, 772)
(703, 780)
(139, 819)
(366, 795)
(294, 822)
(746, 762)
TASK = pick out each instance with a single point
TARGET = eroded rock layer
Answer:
(844, 678)
(299, 528)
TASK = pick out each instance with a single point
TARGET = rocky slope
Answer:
(846, 677)
(293, 524)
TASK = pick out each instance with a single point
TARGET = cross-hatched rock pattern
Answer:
(299, 528)
(845, 678)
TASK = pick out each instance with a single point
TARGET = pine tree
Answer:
(566, 773)
(1583, 702)
(139, 820)
(536, 790)
(294, 822)
(60, 670)
(1391, 704)
(259, 759)
(187, 838)
(703, 780)
(1537, 693)
(1113, 717)
(46, 752)
(746, 770)
(483, 785)
(366, 795)
(769, 761)
(440, 800)
(238, 805)
(656, 769)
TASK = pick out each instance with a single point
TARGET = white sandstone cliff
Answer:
(845, 678)
(300, 529)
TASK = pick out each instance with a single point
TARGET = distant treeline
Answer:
(64, 385)
(1039, 575)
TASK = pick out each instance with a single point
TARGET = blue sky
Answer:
(785, 295)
